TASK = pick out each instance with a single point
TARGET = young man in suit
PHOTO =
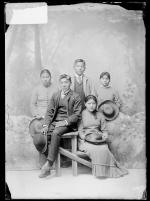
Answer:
(81, 84)
(61, 117)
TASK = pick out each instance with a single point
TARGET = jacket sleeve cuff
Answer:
(44, 125)
(66, 122)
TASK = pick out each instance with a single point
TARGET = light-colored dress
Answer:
(103, 162)
(107, 93)
(40, 99)
(38, 105)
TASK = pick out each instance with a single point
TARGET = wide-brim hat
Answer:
(110, 110)
(35, 130)
(94, 138)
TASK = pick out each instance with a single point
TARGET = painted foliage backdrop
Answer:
(109, 38)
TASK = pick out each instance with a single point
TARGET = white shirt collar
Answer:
(81, 76)
(104, 86)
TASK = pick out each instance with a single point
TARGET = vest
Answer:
(78, 88)
(62, 110)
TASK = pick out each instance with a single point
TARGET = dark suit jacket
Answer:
(74, 108)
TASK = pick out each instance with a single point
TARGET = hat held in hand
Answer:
(109, 109)
(35, 130)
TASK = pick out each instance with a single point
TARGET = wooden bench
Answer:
(75, 155)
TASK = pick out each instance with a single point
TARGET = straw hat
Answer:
(35, 130)
(109, 109)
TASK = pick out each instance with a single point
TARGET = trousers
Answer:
(54, 142)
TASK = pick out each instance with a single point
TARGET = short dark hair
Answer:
(45, 71)
(105, 73)
(79, 60)
(65, 76)
(89, 97)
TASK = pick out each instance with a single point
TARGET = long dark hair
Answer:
(91, 97)
(105, 73)
(45, 71)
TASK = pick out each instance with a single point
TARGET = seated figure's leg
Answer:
(42, 159)
(55, 142)
(52, 149)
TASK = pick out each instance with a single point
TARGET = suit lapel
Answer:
(68, 101)
(72, 85)
(57, 98)
(84, 84)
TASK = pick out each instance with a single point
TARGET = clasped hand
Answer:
(60, 124)
(45, 130)
(105, 136)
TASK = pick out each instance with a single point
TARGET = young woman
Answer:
(105, 92)
(42, 94)
(103, 161)
(40, 98)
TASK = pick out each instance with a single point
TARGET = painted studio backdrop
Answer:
(109, 38)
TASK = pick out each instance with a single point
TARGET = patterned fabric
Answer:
(63, 94)
(40, 99)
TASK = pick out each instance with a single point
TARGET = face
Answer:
(45, 78)
(79, 68)
(91, 105)
(65, 84)
(105, 80)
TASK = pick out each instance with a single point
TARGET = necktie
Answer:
(79, 79)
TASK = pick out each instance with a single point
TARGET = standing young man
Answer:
(81, 84)
(61, 117)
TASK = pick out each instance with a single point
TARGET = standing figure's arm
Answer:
(116, 98)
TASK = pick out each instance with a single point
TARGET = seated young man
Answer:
(61, 117)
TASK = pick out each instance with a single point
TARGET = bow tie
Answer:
(63, 94)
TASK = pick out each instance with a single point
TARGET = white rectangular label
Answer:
(26, 13)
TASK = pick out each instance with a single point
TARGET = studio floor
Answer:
(27, 185)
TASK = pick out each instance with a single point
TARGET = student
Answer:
(104, 91)
(61, 117)
(40, 98)
(103, 162)
(42, 94)
(81, 84)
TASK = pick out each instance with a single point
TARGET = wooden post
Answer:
(57, 165)
(74, 149)
(75, 157)
(37, 48)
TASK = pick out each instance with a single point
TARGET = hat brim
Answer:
(39, 140)
(32, 130)
(94, 139)
(115, 110)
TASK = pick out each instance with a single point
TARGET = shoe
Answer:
(45, 170)
(44, 173)
(47, 166)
